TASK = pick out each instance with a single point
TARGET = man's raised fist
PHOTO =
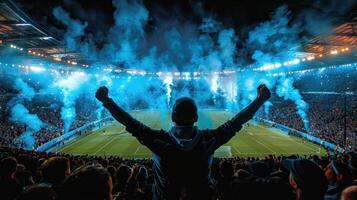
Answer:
(263, 92)
(102, 93)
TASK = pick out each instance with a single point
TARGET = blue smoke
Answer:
(286, 90)
(75, 27)
(276, 40)
(20, 115)
(227, 44)
(272, 42)
(267, 106)
(171, 46)
(26, 92)
(175, 45)
(70, 88)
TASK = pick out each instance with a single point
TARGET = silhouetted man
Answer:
(182, 156)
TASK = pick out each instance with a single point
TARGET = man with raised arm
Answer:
(183, 155)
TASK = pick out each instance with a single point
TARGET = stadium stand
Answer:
(31, 174)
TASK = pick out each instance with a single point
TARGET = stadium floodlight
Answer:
(310, 58)
(334, 52)
(37, 69)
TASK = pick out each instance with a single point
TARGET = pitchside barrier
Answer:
(71, 135)
(289, 131)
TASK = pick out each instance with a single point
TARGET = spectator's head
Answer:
(243, 174)
(352, 164)
(89, 182)
(38, 192)
(337, 174)
(22, 176)
(184, 112)
(112, 171)
(259, 169)
(276, 188)
(306, 178)
(55, 170)
(227, 169)
(123, 174)
(349, 193)
(7, 167)
(142, 174)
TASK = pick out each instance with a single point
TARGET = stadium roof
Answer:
(342, 36)
(18, 30)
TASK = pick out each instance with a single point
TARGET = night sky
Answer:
(233, 13)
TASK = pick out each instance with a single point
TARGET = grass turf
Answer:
(254, 140)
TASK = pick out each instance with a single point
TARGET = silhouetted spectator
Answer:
(55, 170)
(38, 192)
(182, 157)
(224, 182)
(276, 188)
(9, 189)
(306, 178)
(113, 173)
(349, 193)
(89, 183)
(338, 177)
(123, 174)
(22, 176)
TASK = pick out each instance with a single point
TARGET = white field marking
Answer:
(66, 146)
(250, 133)
(301, 153)
(263, 144)
(76, 140)
(73, 142)
(110, 141)
(137, 149)
(121, 131)
(290, 138)
(301, 144)
(236, 148)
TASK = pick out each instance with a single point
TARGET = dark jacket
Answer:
(182, 156)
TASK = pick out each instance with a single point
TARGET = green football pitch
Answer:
(253, 140)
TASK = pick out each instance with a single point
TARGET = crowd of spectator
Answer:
(33, 175)
(48, 112)
(325, 113)
(326, 117)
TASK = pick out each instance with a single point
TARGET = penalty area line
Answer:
(263, 144)
(236, 148)
(137, 149)
(110, 141)
(72, 143)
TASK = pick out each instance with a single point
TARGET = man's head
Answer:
(88, 182)
(184, 112)
(55, 170)
(349, 193)
(337, 173)
(7, 167)
(306, 178)
(38, 192)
